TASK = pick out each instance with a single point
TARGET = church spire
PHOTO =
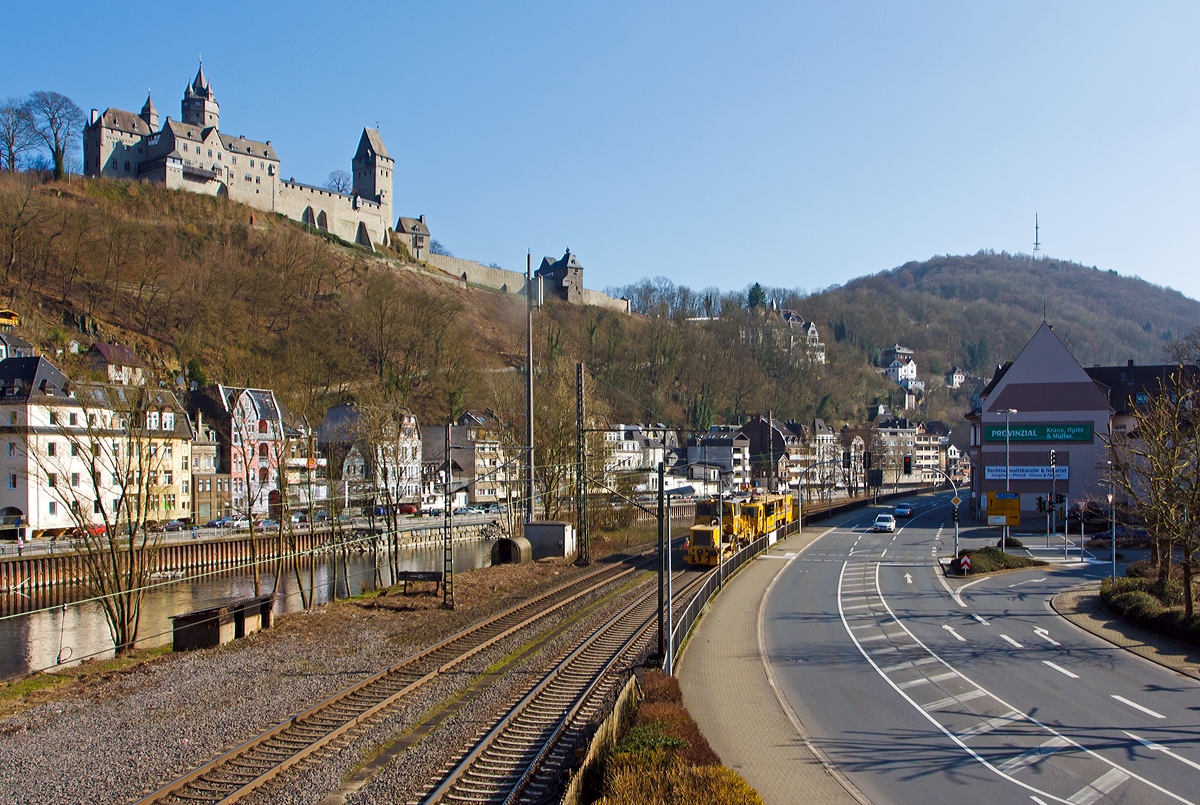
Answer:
(200, 85)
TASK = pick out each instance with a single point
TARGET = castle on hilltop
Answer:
(193, 154)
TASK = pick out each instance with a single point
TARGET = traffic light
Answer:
(867, 460)
(908, 465)
(1041, 501)
(1052, 459)
(1060, 498)
(954, 516)
(845, 459)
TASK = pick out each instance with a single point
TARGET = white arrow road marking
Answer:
(1153, 747)
(957, 636)
(908, 577)
(1137, 706)
(1045, 635)
(1014, 642)
(1027, 581)
(1060, 669)
(981, 620)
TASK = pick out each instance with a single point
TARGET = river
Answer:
(33, 641)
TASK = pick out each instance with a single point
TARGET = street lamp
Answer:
(1007, 469)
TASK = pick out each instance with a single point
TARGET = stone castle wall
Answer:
(513, 282)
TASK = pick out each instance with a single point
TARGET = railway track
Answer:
(236, 773)
(519, 760)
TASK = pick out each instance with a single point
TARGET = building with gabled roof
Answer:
(118, 363)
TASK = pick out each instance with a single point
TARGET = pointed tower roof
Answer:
(148, 107)
(201, 82)
(370, 142)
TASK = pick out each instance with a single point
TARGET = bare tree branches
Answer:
(17, 136)
(340, 181)
(58, 123)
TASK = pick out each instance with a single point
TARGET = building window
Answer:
(74, 449)
(252, 165)
(264, 476)
(51, 448)
(53, 419)
(152, 420)
(264, 450)
(12, 449)
(233, 160)
(52, 479)
(12, 481)
(74, 479)
(96, 503)
(53, 507)
(127, 166)
(12, 418)
(210, 152)
(247, 177)
(168, 478)
(184, 487)
(258, 180)
(168, 420)
(73, 419)
(183, 463)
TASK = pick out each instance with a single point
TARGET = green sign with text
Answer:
(1040, 433)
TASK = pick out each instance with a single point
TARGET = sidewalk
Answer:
(725, 688)
(1082, 607)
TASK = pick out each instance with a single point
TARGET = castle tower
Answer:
(199, 106)
(372, 170)
(150, 114)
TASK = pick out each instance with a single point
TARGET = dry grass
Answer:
(664, 759)
(21, 694)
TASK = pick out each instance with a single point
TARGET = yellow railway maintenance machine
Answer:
(703, 538)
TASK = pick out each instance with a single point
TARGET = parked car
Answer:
(219, 522)
(320, 516)
(435, 512)
(266, 525)
(903, 510)
(409, 508)
(462, 511)
(884, 522)
(174, 525)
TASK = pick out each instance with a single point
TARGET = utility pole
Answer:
(770, 452)
(669, 664)
(584, 557)
(662, 533)
(529, 483)
(448, 539)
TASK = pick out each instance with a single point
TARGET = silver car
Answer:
(884, 522)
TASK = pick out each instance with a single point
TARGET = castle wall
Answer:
(340, 216)
(601, 299)
(499, 279)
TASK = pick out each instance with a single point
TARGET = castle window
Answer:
(210, 152)
(252, 163)
(127, 166)
(218, 156)
(258, 180)
(233, 160)
(247, 177)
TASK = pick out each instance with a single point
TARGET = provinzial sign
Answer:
(1081, 432)
(994, 473)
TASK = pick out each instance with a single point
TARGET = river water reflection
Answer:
(32, 642)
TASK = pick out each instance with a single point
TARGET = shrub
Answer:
(1012, 542)
(663, 779)
(989, 560)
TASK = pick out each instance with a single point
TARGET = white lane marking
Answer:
(1027, 581)
(925, 680)
(937, 724)
(949, 700)
(1031, 756)
(1038, 800)
(777, 556)
(1153, 747)
(957, 594)
(1060, 669)
(981, 620)
(883, 554)
(1103, 785)
(860, 606)
(1137, 706)
(908, 577)
(1014, 642)
(1045, 635)
(957, 636)
(992, 724)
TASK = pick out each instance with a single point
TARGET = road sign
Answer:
(955, 500)
(1004, 508)
(1081, 504)
(964, 564)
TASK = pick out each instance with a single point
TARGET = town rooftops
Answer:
(1128, 387)
(240, 145)
(25, 378)
(117, 355)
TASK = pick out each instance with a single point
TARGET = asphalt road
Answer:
(920, 696)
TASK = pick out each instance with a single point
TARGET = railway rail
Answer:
(246, 768)
(521, 757)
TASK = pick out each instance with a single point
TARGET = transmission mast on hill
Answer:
(1037, 243)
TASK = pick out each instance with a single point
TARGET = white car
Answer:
(884, 522)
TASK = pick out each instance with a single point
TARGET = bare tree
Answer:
(1157, 466)
(1185, 349)
(96, 455)
(17, 136)
(58, 123)
(340, 181)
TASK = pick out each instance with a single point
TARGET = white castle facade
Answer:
(193, 154)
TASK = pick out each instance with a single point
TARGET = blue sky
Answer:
(716, 144)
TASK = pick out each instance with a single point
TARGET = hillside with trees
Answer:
(208, 290)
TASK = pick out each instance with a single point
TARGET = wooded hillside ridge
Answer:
(210, 290)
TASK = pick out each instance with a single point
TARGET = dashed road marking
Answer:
(1153, 747)
(1014, 642)
(1137, 706)
(1104, 784)
(1060, 669)
(1028, 758)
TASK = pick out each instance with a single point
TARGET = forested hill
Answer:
(979, 310)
